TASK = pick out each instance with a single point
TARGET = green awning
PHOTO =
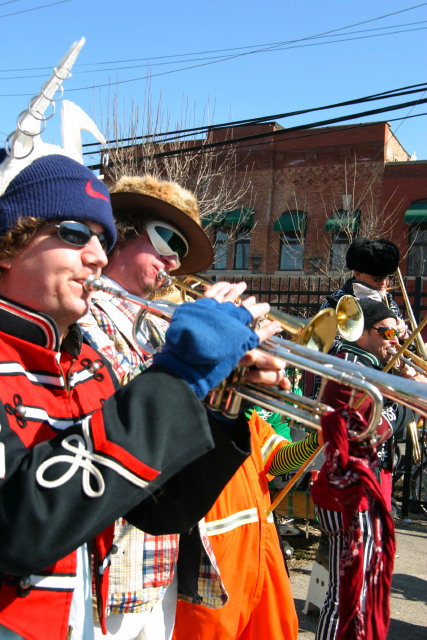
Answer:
(295, 221)
(416, 213)
(343, 220)
(243, 217)
(215, 219)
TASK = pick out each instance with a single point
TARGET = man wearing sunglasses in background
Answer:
(374, 349)
(75, 453)
(372, 263)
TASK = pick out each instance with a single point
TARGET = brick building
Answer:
(312, 192)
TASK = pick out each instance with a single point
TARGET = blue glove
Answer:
(205, 341)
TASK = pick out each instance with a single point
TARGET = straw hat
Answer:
(170, 202)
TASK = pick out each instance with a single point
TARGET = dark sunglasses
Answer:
(78, 234)
(379, 279)
(387, 332)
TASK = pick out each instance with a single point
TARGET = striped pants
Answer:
(331, 523)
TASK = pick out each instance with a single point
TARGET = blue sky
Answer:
(182, 46)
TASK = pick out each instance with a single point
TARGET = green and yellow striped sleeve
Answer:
(291, 456)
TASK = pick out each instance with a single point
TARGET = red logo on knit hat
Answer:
(92, 193)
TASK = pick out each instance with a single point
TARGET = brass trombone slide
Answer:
(407, 392)
(418, 339)
(414, 361)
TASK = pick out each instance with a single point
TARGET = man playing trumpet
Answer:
(159, 231)
(372, 263)
(74, 453)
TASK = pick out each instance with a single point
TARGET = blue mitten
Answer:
(205, 341)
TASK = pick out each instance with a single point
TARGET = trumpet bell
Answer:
(349, 318)
(318, 333)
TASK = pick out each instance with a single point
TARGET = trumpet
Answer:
(144, 332)
(159, 308)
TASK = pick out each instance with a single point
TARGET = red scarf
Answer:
(351, 473)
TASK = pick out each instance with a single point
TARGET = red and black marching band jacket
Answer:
(75, 455)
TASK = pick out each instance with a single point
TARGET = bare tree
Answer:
(356, 213)
(147, 143)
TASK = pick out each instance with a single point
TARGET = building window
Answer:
(220, 250)
(291, 252)
(291, 225)
(339, 248)
(417, 263)
(343, 226)
(241, 255)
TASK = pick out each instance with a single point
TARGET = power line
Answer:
(392, 93)
(274, 134)
(43, 6)
(267, 48)
(263, 49)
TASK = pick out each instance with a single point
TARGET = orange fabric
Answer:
(250, 561)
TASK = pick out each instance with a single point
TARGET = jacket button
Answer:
(114, 548)
(25, 583)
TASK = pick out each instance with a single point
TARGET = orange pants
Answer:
(260, 602)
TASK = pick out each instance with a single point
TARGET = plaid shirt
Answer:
(109, 329)
(144, 565)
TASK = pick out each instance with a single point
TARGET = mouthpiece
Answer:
(92, 283)
(167, 280)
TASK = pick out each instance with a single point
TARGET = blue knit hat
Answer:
(56, 187)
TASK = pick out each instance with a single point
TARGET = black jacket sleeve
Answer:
(201, 483)
(151, 453)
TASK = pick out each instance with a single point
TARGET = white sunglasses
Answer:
(167, 240)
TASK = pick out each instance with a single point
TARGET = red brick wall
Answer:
(311, 170)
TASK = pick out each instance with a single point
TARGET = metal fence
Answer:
(303, 296)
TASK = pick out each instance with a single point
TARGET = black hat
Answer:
(374, 311)
(379, 258)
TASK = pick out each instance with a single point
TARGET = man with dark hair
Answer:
(372, 263)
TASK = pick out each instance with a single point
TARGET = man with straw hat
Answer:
(159, 231)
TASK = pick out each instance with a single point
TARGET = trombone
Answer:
(422, 352)
(307, 411)
(413, 360)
